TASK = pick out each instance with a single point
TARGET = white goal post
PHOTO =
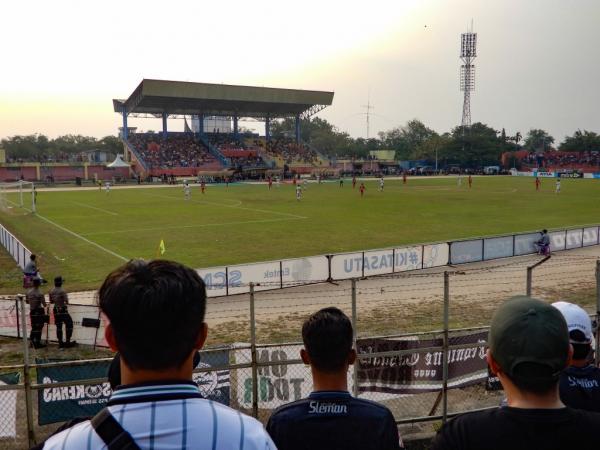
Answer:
(18, 194)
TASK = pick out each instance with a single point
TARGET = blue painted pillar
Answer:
(297, 128)
(268, 128)
(201, 124)
(125, 129)
(164, 120)
(235, 126)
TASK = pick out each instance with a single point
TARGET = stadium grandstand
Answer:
(214, 144)
(586, 162)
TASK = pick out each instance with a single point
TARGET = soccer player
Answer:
(187, 192)
(341, 182)
(529, 348)
(362, 189)
(470, 179)
(459, 180)
(330, 418)
(270, 181)
(381, 184)
(155, 313)
(353, 181)
(202, 186)
(403, 177)
(579, 384)
(107, 187)
(557, 190)
(537, 184)
(298, 192)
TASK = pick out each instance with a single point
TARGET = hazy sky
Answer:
(63, 61)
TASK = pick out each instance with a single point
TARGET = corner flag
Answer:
(161, 247)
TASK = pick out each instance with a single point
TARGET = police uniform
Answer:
(36, 312)
(334, 420)
(59, 298)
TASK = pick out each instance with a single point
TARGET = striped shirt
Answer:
(170, 416)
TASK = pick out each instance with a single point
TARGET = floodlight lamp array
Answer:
(468, 45)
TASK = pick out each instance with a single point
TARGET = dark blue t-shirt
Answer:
(580, 387)
(333, 420)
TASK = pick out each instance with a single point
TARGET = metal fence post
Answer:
(26, 380)
(253, 353)
(354, 332)
(445, 347)
(529, 281)
(597, 309)
(17, 313)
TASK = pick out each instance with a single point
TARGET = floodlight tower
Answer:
(468, 52)
(368, 107)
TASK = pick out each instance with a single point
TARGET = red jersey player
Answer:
(270, 183)
(537, 183)
(362, 189)
(470, 181)
(202, 186)
(353, 182)
(403, 177)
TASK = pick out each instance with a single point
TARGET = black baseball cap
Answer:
(529, 339)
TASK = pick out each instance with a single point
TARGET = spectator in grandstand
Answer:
(156, 313)
(330, 418)
(59, 298)
(37, 313)
(528, 348)
(580, 382)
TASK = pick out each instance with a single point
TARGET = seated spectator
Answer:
(330, 418)
(528, 349)
(580, 382)
(156, 322)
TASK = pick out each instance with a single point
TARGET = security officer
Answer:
(37, 313)
(60, 300)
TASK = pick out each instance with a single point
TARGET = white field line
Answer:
(295, 216)
(97, 209)
(283, 219)
(78, 236)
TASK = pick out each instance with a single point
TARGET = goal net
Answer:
(20, 194)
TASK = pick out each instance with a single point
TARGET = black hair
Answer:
(37, 282)
(156, 310)
(32, 257)
(581, 349)
(58, 281)
(327, 337)
(544, 231)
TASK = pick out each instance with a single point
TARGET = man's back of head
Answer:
(528, 349)
(330, 417)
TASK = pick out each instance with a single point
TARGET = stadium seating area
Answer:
(563, 159)
(238, 154)
(177, 151)
(291, 152)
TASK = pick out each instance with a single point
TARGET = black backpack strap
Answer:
(112, 433)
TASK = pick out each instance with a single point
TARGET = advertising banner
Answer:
(60, 404)
(408, 258)
(525, 243)
(466, 251)
(8, 402)
(435, 255)
(574, 238)
(379, 262)
(304, 270)
(346, 265)
(214, 385)
(557, 240)
(215, 279)
(9, 323)
(500, 247)
(590, 236)
(265, 276)
(420, 371)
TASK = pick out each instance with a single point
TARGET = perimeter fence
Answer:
(420, 337)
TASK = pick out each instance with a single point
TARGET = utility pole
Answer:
(368, 107)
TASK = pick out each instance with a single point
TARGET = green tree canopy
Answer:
(581, 141)
(537, 139)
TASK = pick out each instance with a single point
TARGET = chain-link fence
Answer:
(420, 337)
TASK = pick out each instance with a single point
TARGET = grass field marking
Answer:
(283, 219)
(97, 209)
(295, 216)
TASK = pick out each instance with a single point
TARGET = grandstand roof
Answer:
(155, 97)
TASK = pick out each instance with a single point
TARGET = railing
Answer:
(214, 151)
(133, 150)
(19, 252)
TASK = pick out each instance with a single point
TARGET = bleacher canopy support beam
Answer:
(267, 128)
(297, 128)
(201, 124)
(235, 126)
(125, 129)
(164, 125)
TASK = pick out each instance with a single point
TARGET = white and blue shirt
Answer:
(169, 416)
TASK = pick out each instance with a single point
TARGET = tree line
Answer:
(38, 147)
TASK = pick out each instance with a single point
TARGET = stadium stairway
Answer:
(214, 151)
(132, 149)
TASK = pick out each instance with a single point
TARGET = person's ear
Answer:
(109, 335)
(494, 366)
(202, 335)
(352, 357)
(304, 357)
(570, 355)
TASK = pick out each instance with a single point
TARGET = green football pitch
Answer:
(83, 234)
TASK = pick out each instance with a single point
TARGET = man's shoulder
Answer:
(76, 436)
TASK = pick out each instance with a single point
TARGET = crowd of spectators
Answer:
(292, 152)
(170, 153)
(562, 159)
(238, 154)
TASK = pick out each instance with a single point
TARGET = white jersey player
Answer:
(459, 180)
(187, 190)
(298, 192)
(107, 187)
(381, 182)
(557, 191)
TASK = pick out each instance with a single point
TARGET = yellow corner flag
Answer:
(161, 248)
